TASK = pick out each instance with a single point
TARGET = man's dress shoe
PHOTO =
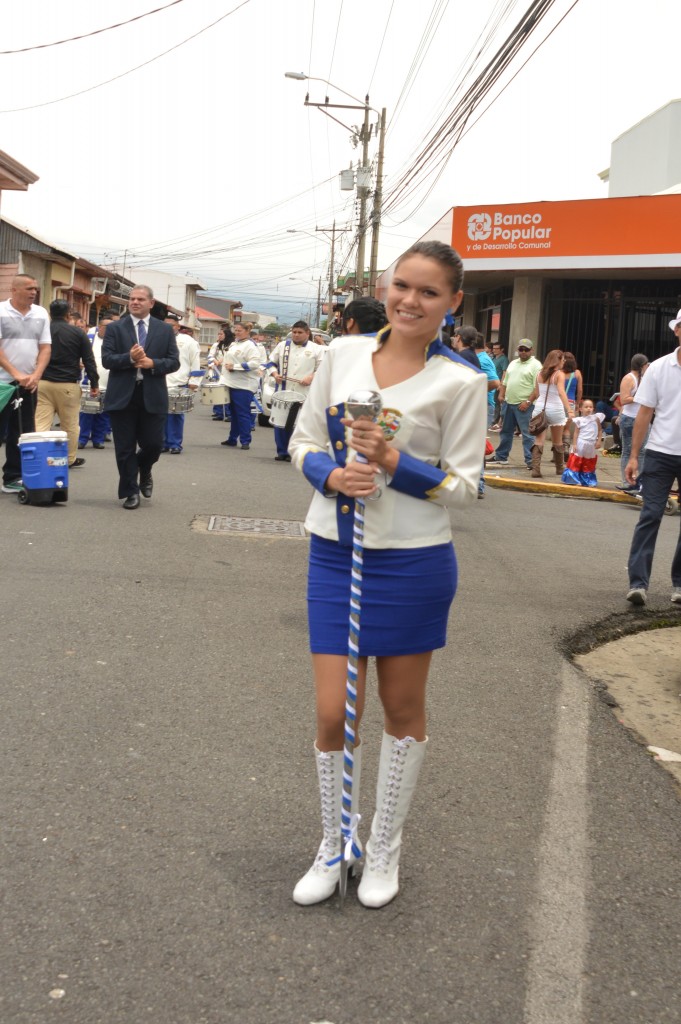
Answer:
(132, 502)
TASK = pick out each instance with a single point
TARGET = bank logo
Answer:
(479, 227)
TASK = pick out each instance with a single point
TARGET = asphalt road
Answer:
(158, 785)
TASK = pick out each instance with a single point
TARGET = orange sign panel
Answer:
(633, 231)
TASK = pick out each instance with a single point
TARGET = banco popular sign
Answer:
(632, 231)
(490, 232)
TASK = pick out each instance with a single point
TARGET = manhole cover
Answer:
(276, 527)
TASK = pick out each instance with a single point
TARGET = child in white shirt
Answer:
(587, 439)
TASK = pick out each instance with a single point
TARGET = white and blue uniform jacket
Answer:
(436, 420)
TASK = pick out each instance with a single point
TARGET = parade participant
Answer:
(364, 315)
(294, 362)
(138, 351)
(214, 359)
(549, 397)
(240, 374)
(629, 408)
(587, 439)
(517, 385)
(59, 391)
(426, 447)
(25, 344)
(188, 375)
(95, 425)
(658, 393)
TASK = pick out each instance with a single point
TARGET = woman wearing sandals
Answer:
(549, 395)
(425, 451)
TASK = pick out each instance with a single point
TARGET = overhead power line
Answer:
(438, 149)
(91, 88)
(96, 32)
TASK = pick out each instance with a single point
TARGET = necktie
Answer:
(142, 333)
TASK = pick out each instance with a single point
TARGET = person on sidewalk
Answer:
(500, 360)
(59, 391)
(659, 393)
(488, 368)
(587, 439)
(409, 575)
(138, 351)
(25, 344)
(629, 409)
(549, 396)
(516, 388)
(463, 342)
(574, 389)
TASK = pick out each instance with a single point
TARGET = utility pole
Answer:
(319, 301)
(331, 283)
(376, 212)
(363, 192)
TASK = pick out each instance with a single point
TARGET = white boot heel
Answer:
(321, 880)
(398, 773)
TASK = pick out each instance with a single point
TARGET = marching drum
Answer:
(180, 401)
(91, 404)
(284, 408)
(214, 394)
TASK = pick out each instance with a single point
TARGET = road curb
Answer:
(562, 490)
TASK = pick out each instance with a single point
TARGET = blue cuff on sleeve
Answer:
(316, 469)
(417, 478)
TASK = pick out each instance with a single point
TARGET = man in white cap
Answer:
(658, 393)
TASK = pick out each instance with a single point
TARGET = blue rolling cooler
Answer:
(44, 467)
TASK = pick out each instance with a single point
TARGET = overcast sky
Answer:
(202, 159)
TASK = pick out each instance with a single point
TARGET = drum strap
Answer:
(292, 417)
(284, 363)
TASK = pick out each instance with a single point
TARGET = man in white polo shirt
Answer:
(25, 346)
(658, 393)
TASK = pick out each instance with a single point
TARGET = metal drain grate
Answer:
(271, 527)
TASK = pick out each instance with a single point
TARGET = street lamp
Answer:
(363, 190)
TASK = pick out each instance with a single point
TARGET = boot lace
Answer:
(330, 844)
(381, 841)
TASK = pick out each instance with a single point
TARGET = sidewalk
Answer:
(516, 476)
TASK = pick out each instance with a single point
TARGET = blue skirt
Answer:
(406, 597)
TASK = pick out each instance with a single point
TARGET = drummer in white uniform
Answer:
(95, 426)
(240, 373)
(189, 374)
(294, 363)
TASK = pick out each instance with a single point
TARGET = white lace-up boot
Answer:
(398, 773)
(321, 880)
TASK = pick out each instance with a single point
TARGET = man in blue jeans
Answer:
(660, 393)
(516, 388)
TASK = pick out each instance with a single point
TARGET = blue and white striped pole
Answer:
(368, 404)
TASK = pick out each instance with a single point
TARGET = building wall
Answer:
(7, 272)
(647, 158)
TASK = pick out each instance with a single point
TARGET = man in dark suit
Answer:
(138, 351)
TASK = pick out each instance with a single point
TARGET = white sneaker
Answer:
(676, 595)
(12, 487)
(637, 595)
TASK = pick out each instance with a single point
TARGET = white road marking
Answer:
(559, 931)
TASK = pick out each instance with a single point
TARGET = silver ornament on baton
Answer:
(368, 404)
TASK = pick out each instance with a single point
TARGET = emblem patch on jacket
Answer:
(389, 420)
